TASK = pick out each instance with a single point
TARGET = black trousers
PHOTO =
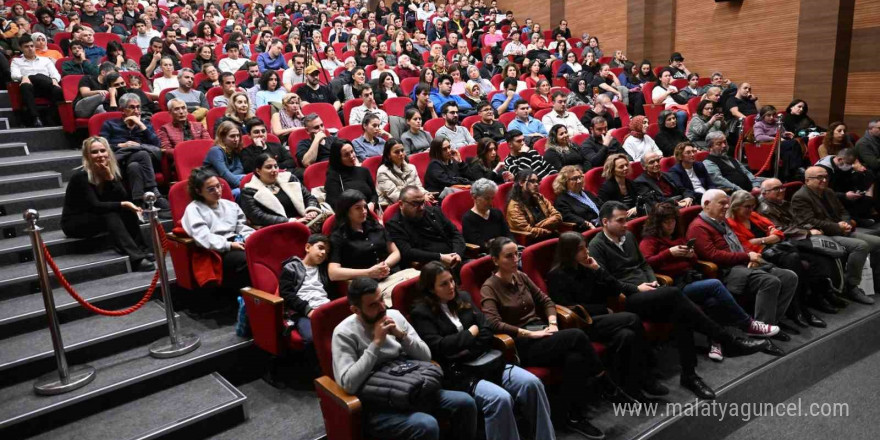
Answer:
(668, 304)
(235, 271)
(624, 336)
(40, 87)
(571, 349)
(122, 226)
(139, 174)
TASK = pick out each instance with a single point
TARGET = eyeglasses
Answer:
(818, 178)
(775, 189)
(415, 203)
(133, 107)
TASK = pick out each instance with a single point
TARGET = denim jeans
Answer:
(458, 406)
(523, 390)
(717, 302)
(304, 327)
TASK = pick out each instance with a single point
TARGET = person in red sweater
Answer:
(665, 249)
(540, 100)
(743, 272)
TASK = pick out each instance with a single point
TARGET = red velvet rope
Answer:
(70, 290)
(773, 147)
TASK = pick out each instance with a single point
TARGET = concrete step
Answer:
(200, 406)
(5, 124)
(62, 161)
(13, 149)
(13, 205)
(4, 99)
(21, 279)
(29, 355)
(35, 181)
(12, 226)
(120, 378)
(27, 313)
(41, 139)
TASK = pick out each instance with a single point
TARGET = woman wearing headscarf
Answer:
(669, 135)
(637, 144)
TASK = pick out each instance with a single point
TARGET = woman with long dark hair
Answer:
(386, 88)
(343, 173)
(835, 140)
(561, 151)
(446, 169)
(396, 173)
(797, 119)
(528, 211)
(273, 196)
(116, 55)
(457, 332)
(669, 135)
(487, 165)
(646, 72)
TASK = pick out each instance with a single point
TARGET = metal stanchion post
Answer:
(780, 129)
(176, 344)
(66, 378)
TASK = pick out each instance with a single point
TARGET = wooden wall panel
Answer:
(867, 14)
(609, 25)
(862, 93)
(762, 51)
(537, 10)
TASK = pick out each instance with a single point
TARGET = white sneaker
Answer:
(759, 329)
(715, 352)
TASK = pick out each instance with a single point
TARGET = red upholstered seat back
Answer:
(537, 261)
(97, 121)
(455, 205)
(324, 320)
(405, 295)
(473, 274)
(264, 255)
(189, 155)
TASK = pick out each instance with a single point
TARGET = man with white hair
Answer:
(726, 172)
(744, 273)
(405, 68)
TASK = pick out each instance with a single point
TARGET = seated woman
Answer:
(533, 75)
(272, 197)
(580, 93)
(456, 332)
(415, 139)
(238, 112)
(576, 204)
(609, 85)
(705, 121)
(758, 234)
(561, 151)
(669, 135)
(665, 249)
(570, 68)
(798, 121)
(473, 93)
(288, 118)
(217, 224)
(381, 67)
(483, 222)
(487, 165)
(576, 279)
(667, 94)
(387, 88)
(446, 169)
(359, 245)
(528, 211)
(96, 201)
(835, 140)
(271, 90)
(512, 71)
(617, 187)
(352, 90)
(116, 55)
(790, 152)
(396, 173)
(540, 100)
(513, 305)
(224, 158)
(344, 173)
(212, 80)
(689, 174)
(692, 90)
(638, 143)
(168, 80)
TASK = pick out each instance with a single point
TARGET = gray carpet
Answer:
(855, 385)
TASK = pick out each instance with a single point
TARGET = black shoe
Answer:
(835, 301)
(744, 346)
(143, 266)
(858, 295)
(774, 350)
(782, 336)
(865, 222)
(586, 429)
(162, 203)
(813, 320)
(798, 319)
(613, 393)
(150, 257)
(655, 388)
(820, 304)
(697, 386)
(788, 328)
(37, 123)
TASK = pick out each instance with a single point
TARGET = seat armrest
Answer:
(265, 313)
(522, 238)
(186, 241)
(566, 318)
(567, 226)
(617, 304)
(341, 411)
(506, 345)
(707, 268)
(471, 251)
(664, 280)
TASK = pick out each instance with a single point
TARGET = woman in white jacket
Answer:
(396, 173)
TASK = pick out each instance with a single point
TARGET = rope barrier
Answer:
(82, 301)
(770, 158)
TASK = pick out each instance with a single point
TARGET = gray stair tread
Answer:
(29, 176)
(24, 271)
(23, 242)
(34, 129)
(12, 144)
(117, 371)
(27, 347)
(110, 287)
(156, 413)
(14, 219)
(31, 195)
(37, 156)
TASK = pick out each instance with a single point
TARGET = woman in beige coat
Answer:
(396, 173)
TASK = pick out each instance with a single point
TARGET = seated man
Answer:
(93, 52)
(423, 103)
(296, 75)
(92, 91)
(305, 285)
(488, 127)
(772, 204)
(600, 144)
(180, 128)
(372, 336)
(253, 79)
(136, 147)
(233, 61)
(655, 186)
(850, 181)
(273, 58)
(519, 159)
(195, 99)
(743, 103)
(458, 136)
(313, 91)
(144, 33)
(422, 233)
(261, 145)
(605, 109)
(227, 83)
(689, 174)
(559, 115)
(744, 273)
(78, 64)
(444, 95)
(38, 78)
(151, 58)
(369, 106)
(868, 147)
(817, 205)
(726, 172)
(316, 148)
(506, 100)
(530, 127)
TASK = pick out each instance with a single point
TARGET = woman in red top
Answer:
(534, 75)
(665, 249)
(541, 99)
(757, 233)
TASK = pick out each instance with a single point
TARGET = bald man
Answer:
(817, 205)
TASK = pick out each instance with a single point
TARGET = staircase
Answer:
(133, 394)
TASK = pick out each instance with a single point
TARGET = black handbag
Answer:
(401, 385)
(821, 244)
(465, 374)
(773, 252)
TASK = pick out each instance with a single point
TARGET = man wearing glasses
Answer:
(817, 205)
(726, 172)
(180, 128)
(423, 234)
